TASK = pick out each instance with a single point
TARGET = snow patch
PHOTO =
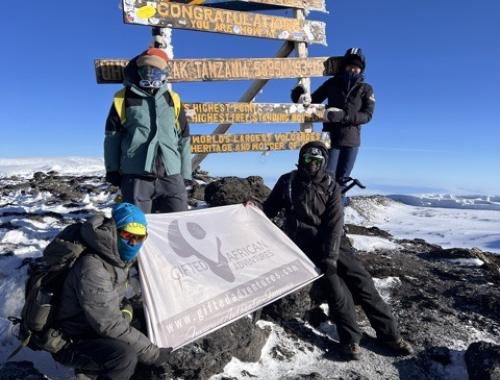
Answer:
(385, 286)
(371, 243)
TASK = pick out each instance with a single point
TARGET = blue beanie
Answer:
(130, 218)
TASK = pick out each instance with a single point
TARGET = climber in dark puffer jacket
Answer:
(311, 200)
(351, 103)
(91, 312)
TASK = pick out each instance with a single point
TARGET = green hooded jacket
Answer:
(149, 136)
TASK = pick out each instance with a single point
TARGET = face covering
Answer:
(127, 251)
(350, 78)
(151, 77)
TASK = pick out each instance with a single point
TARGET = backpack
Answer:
(43, 291)
(119, 104)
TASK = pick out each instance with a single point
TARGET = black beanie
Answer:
(354, 56)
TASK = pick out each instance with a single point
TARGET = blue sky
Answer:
(434, 65)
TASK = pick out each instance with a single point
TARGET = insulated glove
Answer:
(113, 178)
(189, 183)
(334, 115)
(163, 356)
(297, 91)
(330, 266)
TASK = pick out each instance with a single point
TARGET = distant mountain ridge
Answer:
(467, 202)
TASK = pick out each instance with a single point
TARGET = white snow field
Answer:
(25, 167)
(447, 227)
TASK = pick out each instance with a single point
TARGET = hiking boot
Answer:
(400, 347)
(351, 351)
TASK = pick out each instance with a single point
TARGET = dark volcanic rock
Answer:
(483, 361)
(367, 231)
(234, 190)
(209, 355)
(20, 370)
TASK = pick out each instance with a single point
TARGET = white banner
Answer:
(203, 269)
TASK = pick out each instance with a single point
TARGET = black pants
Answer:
(107, 358)
(353, 284)
(160, 195)
(341, 161)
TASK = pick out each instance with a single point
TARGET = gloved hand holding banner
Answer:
(203, 269)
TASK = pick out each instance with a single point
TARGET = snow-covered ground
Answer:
(25, 167)
(448, 227)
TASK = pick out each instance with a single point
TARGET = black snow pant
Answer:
(102, 358)
(155, 195)
(353, 284)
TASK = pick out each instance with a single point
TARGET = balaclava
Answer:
(129, 218)
(313, 158)
(353, 56)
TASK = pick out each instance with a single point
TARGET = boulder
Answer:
(483, 361)
(234, 190)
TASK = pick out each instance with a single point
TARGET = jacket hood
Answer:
(130, 73)
(300, 165)
(99, 234)
(313, 144)
(354, 55)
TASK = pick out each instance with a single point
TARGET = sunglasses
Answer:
(132, 238)
(312, 159)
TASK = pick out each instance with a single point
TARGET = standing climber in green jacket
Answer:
(147, 150)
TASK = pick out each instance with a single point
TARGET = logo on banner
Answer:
(190, 239)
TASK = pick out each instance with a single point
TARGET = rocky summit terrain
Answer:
(446, 300)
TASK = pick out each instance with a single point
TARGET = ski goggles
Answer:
(132, 238)
(151, 77)
(318, 160)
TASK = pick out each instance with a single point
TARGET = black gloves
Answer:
(334, 115)
(163, 356)
(189, 183)
(113, 178)
(297, 91)
(330, 266)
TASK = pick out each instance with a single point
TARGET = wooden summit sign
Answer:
(208, 19)
(193, 70)
(310, 5)
(259, 142)
(244, 113)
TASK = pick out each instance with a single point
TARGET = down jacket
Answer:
(93, 291)
(313, 210)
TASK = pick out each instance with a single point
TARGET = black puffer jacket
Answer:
(93, 290)
(356, 98)
(358, 101)
(313, 209)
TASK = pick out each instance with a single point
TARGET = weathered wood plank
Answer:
(248, 96)
(247, 113)
(255, 142)
(193, 70)
(250, 5)
(216, 20)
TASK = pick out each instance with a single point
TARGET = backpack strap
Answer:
(176, 100)
(119, 103)
(289, 188)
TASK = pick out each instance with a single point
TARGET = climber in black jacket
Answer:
(350, 103)
(311, 200)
